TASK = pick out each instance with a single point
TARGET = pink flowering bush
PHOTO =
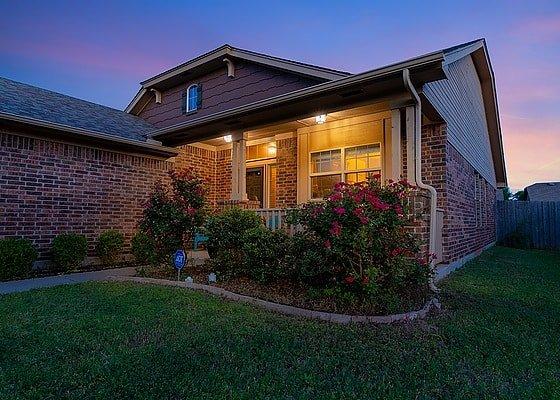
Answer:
(171, 217)
(361, 232)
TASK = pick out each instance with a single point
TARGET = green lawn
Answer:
(499, 337)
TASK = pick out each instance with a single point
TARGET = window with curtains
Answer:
(350, 164)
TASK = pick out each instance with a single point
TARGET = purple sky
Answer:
(99, 52)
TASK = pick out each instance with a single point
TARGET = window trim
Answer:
(188, 97)
(343, 171)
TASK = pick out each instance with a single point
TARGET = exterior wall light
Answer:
(227, 138)
(271, 149)
(321, 119)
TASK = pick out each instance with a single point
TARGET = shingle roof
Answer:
(547, 191)
(30, 101)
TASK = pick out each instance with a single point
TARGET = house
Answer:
(545, 191)
(266, 133)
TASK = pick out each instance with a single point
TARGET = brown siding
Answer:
(252, 82)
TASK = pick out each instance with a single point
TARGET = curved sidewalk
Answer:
(67, 279)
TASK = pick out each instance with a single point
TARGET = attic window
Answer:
(193, 98)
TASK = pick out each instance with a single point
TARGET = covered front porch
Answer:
(290, 163)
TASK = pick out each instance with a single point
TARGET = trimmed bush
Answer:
(225, 238)
(109, 247)
(16, 258)
(264, 254)
(143, 249)
(69, 251)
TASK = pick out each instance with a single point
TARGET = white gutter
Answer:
(418, 168)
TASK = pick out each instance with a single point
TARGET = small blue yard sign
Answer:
(179, 259)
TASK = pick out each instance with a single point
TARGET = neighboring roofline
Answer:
(310, 70)
(154, 149)
(416, 62)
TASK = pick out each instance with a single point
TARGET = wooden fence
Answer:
(535, 224)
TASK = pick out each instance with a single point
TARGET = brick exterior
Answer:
(203, 163)
(454, 180)
(223, 175)
(48, 187)
(461, 235)
(286, 179)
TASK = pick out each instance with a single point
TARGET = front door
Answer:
(255, 184)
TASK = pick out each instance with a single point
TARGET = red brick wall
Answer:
(453, 178)
(223, 175)
(203, 163)
(461, 235)
(286, 178)
(47, 188)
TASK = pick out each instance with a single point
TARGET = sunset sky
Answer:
(100, 52)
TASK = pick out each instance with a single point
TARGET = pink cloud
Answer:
(539, 29)
(532, 149)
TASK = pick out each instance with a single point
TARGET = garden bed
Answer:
(287, 292)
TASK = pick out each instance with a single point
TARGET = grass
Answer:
(497, 338)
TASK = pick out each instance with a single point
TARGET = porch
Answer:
(283, 165)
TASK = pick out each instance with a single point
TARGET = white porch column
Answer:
(238, 167)
(395, 145)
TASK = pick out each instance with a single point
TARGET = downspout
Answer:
(418, 169)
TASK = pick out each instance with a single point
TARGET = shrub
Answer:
(172, 217)
(360, 232)
(142, 248)
(109, 247)
(16, 258)
(69, 251)
(225, 238)
(309, 260)
(265, 254)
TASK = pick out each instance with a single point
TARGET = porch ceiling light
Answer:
(271, 149)
(321, 119)
(227, 138)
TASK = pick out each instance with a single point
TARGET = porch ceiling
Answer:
(382, 86)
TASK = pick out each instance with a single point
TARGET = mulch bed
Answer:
(284, 292)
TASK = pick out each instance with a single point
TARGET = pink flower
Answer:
(349, 279)
(336, 229)
(359, 212)
(336, 196)
(339, 210)
(327, 244)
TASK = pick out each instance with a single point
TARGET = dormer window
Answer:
(193, 98)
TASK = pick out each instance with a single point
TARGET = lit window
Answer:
(262, 150)
(327, 168)
(193, 98)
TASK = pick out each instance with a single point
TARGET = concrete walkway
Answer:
(68, 279)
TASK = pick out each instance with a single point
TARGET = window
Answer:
(260, 151)
(192, 100)
(327, 168)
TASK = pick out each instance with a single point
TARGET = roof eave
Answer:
(431, 62)
(84, 135)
